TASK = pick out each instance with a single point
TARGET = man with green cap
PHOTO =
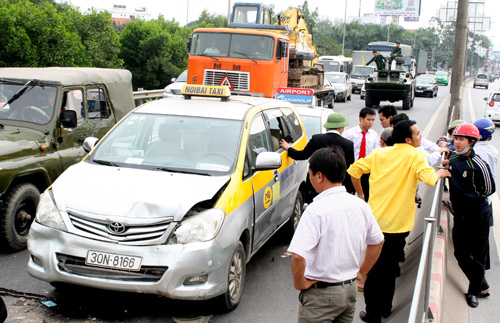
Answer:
(379, 59)
(335, 126)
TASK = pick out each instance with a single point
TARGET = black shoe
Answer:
(472, 300)
(369, 319)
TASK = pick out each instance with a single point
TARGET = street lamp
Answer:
(343, 36)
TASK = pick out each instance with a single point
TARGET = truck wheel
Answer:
(18, 214)
(407, 102)
(368, 101)
(376, 103)
(235, 278)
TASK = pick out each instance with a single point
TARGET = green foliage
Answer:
(49, 34)
(154, 51)
(212, 20)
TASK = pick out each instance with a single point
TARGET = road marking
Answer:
(471, 106)
(435, 116)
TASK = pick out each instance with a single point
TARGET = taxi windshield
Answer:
(34, 103)
(184, 144)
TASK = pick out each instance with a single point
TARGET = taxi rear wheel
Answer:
(236, 278)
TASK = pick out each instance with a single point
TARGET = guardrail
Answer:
(140, 96)
(425, 264)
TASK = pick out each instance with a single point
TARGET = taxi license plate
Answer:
(112, 260)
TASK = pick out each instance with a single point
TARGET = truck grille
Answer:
(239, 80)
(133, 234)
(76, 266)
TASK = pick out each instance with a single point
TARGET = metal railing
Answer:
(425, 265)
(140, 96)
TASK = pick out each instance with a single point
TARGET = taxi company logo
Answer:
(115, 227)
(268, 197)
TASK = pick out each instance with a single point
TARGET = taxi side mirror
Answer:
(89, 143)
(268, 160)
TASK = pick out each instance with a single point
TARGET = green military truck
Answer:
(45, 116)
(391, 85)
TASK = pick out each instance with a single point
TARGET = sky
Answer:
(182, 10)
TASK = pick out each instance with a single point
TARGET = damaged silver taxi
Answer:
(175, 199)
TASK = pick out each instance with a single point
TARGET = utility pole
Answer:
(457, 75)
(343, 36)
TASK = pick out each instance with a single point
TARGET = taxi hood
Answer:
(98, 190)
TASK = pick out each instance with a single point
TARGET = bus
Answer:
(336, 63)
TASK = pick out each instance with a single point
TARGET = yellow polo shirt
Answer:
(394, 175)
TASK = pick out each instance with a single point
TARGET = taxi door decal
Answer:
(268, 197)
(276, 191)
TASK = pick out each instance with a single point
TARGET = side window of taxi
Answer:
(73, 100)
(258, 138)
(277, 127)
(293, 124)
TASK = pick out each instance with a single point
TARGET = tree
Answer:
(154, 51)
(50, 34)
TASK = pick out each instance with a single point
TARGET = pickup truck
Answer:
(45, 116)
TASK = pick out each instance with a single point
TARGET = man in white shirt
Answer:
(212, 49)
(327, 246)
(484, 149)
(365, 139)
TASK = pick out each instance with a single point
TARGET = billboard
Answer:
(407, 8)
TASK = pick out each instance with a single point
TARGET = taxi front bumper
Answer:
(57, 256)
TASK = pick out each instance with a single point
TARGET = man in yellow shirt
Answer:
(394, 175)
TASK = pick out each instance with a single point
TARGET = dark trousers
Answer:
(365, 184)
(470, 239)
(381, 281)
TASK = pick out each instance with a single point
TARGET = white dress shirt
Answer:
(489, 154)
(355, 134)
(332, 233)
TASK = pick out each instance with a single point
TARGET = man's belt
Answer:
(325, 284)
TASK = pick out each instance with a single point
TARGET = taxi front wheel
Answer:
(236, 278)
(298, 209)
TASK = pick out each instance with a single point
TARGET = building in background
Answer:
(120, 14)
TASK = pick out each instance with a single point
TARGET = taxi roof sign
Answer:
(189, 90)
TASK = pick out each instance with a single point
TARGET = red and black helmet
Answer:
(467, 130)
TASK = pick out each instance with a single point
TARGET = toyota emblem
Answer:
(115, 227)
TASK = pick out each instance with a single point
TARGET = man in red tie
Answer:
(365, 139)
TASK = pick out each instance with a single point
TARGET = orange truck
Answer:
(255, 58)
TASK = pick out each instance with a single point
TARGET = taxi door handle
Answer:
(276, 175)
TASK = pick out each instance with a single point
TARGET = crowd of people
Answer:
(366, 194)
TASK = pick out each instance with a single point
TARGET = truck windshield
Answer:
(362, 70)
(185, 144)
(233, 45)
(36, 104)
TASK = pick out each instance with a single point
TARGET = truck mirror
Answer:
(68, 118)
(188, 44)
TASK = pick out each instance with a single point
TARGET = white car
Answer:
(492, 110)
(313, 119)
(174, 89)
(175, 199)
(342, 83)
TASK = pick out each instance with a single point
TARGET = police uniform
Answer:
(379, 60)
(398, 52)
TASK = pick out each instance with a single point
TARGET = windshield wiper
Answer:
(105, 162)
(205, 54)
(246, 55)
(21, 91)
(174, 170)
